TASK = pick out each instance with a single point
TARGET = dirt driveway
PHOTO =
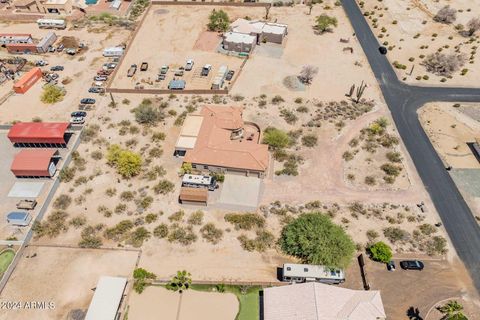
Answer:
(402, 290)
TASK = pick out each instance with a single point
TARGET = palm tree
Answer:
(180, 282)
(452, 311)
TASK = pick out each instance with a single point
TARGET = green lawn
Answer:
(249, 306)
(6, 258)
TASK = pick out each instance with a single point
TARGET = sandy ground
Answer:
(177, 29)
(194, 305)
(415, 17)
(450, 129)
(337, 70)
(62, 276)
(80, 69)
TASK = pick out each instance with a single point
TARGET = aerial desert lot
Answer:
(301, 157)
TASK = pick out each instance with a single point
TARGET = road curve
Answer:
(404, 101)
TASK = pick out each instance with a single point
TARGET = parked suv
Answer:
(412, 265)
(87, 101)
(206, 70)
(56, 68)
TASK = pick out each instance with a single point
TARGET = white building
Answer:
(239, 42)
(263, 31)
(107, 298)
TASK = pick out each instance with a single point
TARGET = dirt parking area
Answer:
(61, 276)
(193, 305)
(76, 78)
(408, 30)
(179, 35)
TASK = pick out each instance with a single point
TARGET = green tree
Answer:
(452, 310)
(52, 94)
(141, 278)
(127, 163)
(186, 168)
(275, 138)
(180, 282)
(324, 22)
(315, 239)
(381, 252)
(218, 21)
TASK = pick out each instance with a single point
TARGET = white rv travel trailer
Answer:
(199, 181)
(312, 273)
(113, 52)
(220, 78)
(51, 23)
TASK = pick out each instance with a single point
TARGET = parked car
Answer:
(412, 265)
(77, 120)
(57, 68)
(189, 65)
(391, 266)
(71, 51)
(179, 73)
(206, 70)
(53, 76)
(96, 90)
(230, 74)
(132, 70)
(87, 101)
(160, 77)
(111, 65)
(51, 49)
(60, 47)
(77, 114)
(41, 63)
(144, 66)
(164, 70)
(26, 204)
(100, 78)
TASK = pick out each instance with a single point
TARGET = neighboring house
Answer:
(316, 301)
(238, 42)
(263, 31)
(61, 7)
(219, 140)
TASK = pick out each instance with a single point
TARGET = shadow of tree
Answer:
(414, 314)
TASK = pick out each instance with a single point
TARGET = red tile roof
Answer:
(38, 132)
(214, 146)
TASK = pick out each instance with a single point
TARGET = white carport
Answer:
(107, 298)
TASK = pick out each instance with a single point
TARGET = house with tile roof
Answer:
(218, 140)
(317, 301)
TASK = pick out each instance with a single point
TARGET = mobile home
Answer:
(113, 52)
(199, 181)
(312, 273)
(51, 23)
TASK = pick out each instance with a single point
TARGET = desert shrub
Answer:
(154, 173)
(280, 155)
(196, 218)
(263, 240)
(370, 181)
(275, 138)
(111, 192)
(219, 176)
(347, 156)
(181, 234)
(55, 224)
(446, 15)
(307, 74)
(394, 156)
(394, 234)
(90, 238)
(473, 25)
(436, 246)
(211, 233)
(427, 229)
(96, 155)
(381, 252)
(309, 140)
(67, 174)
(119, 231)
(151, 217)
(78, 221)
(52, 94)
(144, 202)
(127, 196)
(245, 221)
(177, 216)
(186, 168)
(120, 208)
(158, 136)
(90, 132)
(315, 239)
(163, 187)
(62, 202)
(138, 236)
(155, 152)
(160, 231)
(277, 100)
(218, 21)
(442, 64)
(289, 116)
(372, 235)
(391, 169)
(290, 166)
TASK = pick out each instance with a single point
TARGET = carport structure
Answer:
(35, 163)
(40, 134)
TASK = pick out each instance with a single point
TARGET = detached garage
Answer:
(39, 134)
(36, 163)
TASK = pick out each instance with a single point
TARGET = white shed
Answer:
(107, 298)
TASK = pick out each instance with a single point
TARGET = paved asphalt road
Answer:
(404, 101)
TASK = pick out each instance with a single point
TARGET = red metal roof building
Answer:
(34, 163)
(39, 134)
